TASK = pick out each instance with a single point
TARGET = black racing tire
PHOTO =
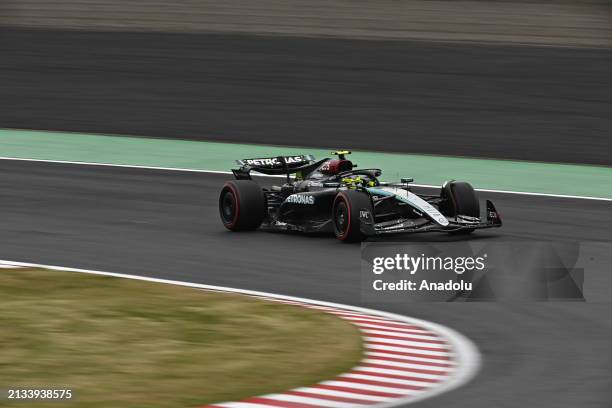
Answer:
(345, 214)
(459, 198)
(242, 205)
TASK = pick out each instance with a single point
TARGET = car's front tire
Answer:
(345, 214)
(459, 198)
(242, 205)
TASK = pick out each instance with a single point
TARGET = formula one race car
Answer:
(331, 195)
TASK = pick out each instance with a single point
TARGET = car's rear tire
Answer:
(459, 198)
(242, 205)
(345, 214)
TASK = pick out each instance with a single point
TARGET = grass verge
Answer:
(127, 343)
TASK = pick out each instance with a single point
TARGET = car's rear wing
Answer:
(273, 165)
(277, 162)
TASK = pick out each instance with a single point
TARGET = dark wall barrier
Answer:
(532, 103)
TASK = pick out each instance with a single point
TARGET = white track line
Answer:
(416, 344)
(132, 166)
(341, 394)
(388, 376)
(321, 402)
(406, 365)
(386, 379)
(413, 360)
(404, 349)
(401, 371)
(400, 334)
(368, 326)
(366, 387)
(241, 405)
(127, 166)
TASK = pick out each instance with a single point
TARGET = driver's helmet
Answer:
(335, 166)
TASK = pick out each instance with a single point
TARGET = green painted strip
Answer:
(549, 178)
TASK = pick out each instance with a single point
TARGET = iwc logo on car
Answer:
(300, 199)
(365, 216)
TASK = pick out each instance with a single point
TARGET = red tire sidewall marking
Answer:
(237, 204)
(342, 197)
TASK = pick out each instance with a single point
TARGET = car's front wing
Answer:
(405, 225)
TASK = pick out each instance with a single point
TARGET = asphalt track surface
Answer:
(533, 103)
(165, 224)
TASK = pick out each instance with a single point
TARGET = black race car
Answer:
(331, 195)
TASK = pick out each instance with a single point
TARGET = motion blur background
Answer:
(505, 79)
